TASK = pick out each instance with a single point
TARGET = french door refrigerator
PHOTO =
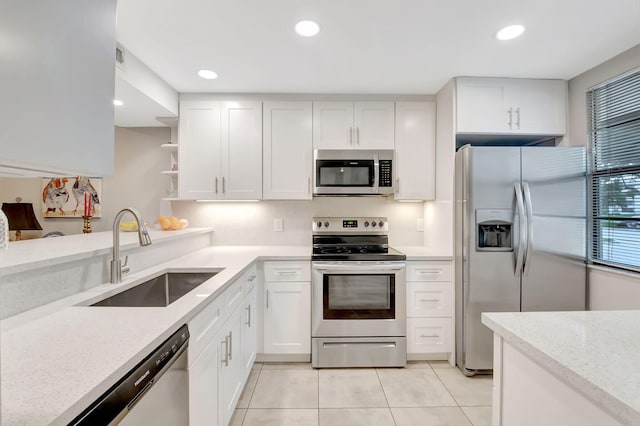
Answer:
(520, 239)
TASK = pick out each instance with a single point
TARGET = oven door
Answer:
(358, 299)
(345, 177)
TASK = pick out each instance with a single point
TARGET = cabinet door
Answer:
(374, 125)
(333, 125)
(539, 106)
(249, 333)
(482, 106)
(231, 379)
(415, 151)
(241, 154)
(287, 317)
(199, 150)
(287, 151)
(203, 385)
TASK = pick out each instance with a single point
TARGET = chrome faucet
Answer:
(117, 268)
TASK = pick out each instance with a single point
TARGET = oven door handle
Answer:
(358, 268)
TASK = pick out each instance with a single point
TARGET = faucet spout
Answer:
(117, 268)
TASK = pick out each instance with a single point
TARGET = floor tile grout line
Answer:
(448, 390)
(385, 397)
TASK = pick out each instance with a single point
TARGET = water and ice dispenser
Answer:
(494, 230)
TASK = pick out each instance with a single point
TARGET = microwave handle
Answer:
(376, 175)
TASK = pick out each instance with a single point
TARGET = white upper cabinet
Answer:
(220, 150)
(199, 151)
(415, 150)
(242, 150)
(287, 151)
(353, 125)
(511, 106)
(57, 74)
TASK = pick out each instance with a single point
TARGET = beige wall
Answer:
(136, 182)
(608, 288)
(578, 86)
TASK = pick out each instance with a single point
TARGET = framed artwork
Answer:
(64, 196)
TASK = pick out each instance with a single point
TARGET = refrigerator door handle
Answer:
(529, 209)
(521, 228)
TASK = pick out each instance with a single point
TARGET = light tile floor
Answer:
(423, 393)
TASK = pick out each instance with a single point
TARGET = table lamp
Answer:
(21, 217)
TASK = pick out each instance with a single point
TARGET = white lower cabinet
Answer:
(249, 332)
(287, 317)
(428, 335)
(221, 352)
(429, 310)
(287, 308)
(203, 386)
(231, 377)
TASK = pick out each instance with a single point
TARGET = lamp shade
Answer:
(21, 217)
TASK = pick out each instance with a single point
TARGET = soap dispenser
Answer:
(4, 231)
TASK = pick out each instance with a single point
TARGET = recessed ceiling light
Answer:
(207, 74)
(510, 32)
(118, 102)
(307, 28)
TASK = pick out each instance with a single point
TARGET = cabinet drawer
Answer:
(233, 296)
(287, 271)
(428, 335)
(429, 271)
(429, 299)
(250, 277)
(204, 326)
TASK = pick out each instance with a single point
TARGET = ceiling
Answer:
(369, 46)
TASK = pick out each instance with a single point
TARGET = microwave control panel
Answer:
(386, 176)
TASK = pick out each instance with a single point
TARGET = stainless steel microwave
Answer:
(353, 172)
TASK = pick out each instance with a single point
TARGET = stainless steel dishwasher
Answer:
(154, 392)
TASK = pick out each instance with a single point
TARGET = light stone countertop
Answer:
(41, 252)
(423, 253)
(59, 358)
(595, 352)
(55, 364)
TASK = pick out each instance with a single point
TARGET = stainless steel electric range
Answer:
(358, 313)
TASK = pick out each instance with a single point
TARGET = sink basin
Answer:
(159, 291)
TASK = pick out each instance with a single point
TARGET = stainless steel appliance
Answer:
(358, 313)
(353, 172)
(156, 391)
(520, 239)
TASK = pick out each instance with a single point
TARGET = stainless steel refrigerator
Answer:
(520, 239)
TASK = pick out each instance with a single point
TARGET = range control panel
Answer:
(351, 225)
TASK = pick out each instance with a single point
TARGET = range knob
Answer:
(319, 224)
(326, 224)
(366, 223)
(374, 224)
(381, 224)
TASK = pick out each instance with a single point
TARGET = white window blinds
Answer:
(614, 112)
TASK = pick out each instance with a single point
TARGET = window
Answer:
(614, 112)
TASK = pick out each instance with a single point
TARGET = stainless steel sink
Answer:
(159, 291)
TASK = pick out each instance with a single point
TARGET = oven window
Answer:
(345, 173)
(366, 296)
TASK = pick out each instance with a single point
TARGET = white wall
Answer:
(608, 288)
(136, 182)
